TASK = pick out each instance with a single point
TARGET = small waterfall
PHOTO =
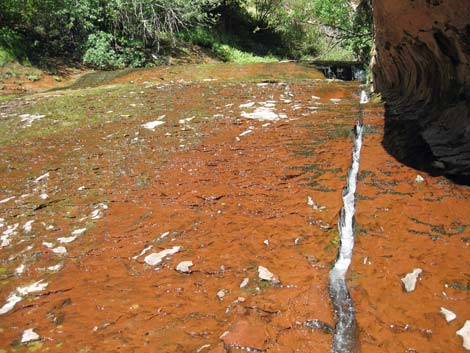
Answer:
(344, 340)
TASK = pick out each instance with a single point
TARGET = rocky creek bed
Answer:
(194, 209)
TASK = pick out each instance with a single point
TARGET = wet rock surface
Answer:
(119, 193)
(422, 69)
(402, 225)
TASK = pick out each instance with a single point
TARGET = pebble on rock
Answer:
(464, 332)
(29, 336)
(449, 315)
(244, 282)
(184, 266)
(265, 275)
(419, 179)
(409, 281)
(155, 258)
(221, 294)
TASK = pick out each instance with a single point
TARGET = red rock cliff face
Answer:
(422, 68)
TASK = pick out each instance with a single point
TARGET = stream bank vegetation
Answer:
(116, 34)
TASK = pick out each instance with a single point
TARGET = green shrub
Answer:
(11, 48)
(100, 52)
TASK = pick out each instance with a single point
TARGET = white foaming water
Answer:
(364, 97)
(344, 340)
(345, 223)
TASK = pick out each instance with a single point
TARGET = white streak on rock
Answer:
(79, 231)
(163, 236)
(28, 119)
(155, 258)
(7, 199)
(409, 281)
(151, 125)
(142, 252)
(66, 240)
(56, 268)
(42, 177)
(247, 105)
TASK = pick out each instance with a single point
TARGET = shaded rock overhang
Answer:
(422, 69)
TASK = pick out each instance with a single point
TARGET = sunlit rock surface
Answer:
(422, 70)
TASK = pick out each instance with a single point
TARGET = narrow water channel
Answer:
(344, 340)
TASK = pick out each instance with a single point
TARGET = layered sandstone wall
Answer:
(422, 68)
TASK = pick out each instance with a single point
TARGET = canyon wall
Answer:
(422, 69)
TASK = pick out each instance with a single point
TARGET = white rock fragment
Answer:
(29, 336)
(335, 100)
(143, 252)
(247, 105)
(42, 177)
(81, 188)
(28, 226)
(78, 232)
(312, 203)
(48, 244)
(12, 300)
(28, 119)
(184, 266)
(60, 250)
(244, 282)
(419, 179)
(155, 258)
(246, 132)
(7, 199)
(266, 242)
(221, 294)
(464, 332)
(262, 114)
(96, 214)
(448, 315)
(5, 238)
(265, 275)
(316, 98)
(20, 269)
(200, 349)
(32, 288)
(56, 268)
(44, 196)
(151, 125)
(163, 236)
(409, 281)
(67, 240)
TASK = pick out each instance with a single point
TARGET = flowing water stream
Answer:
(345, 336)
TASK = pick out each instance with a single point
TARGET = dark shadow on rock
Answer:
(428, 142)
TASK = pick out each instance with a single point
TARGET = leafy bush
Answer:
(10, 47)
(100, 52)
(228, 53)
